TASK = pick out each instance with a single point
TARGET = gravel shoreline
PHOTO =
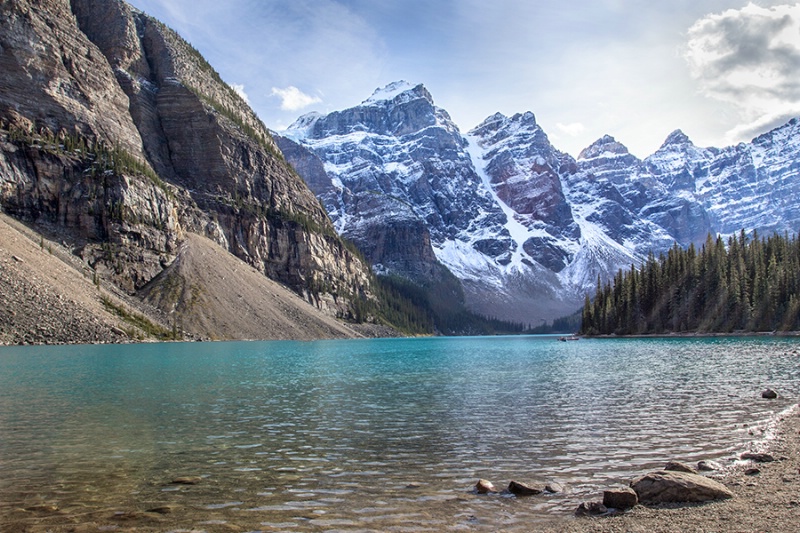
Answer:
(765, 501)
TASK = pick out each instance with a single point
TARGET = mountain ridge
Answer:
(542, 225)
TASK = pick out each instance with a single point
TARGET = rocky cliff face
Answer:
(118, 130)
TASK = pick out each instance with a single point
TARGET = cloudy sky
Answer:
(723, 71)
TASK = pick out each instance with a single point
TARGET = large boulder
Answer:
(670, 486)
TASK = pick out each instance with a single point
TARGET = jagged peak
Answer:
(498, 121)
(604, 145)
(392, 91)
(789, 128)
(676, 138)
(525, 118)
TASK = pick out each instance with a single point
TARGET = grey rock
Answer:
(769, 394)
(204, 161)
(670, 486)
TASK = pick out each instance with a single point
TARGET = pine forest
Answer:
(747, 284)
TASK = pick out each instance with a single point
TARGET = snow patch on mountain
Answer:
(516, 230)
(390, 92)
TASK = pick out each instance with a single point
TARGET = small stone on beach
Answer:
(757, 457)
(670, 486)
(591, 509)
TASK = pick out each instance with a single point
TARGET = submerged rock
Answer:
(520, 489)
(186, 480)
(769, 394)
(670, 486)
(484, 487)
(43, 508)
(553, 487)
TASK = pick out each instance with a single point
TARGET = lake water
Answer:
(370, 435)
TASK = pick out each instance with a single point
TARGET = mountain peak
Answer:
(677, 137)
(604, 145)
(395, 89)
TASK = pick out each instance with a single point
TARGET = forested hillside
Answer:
(750, 284)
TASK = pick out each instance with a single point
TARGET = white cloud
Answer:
(293, 99)
(750, 58)
(573, 129)
(239, 88)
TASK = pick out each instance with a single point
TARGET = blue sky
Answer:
(723, 71)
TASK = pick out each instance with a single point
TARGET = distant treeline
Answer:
(565, 324)
(750, 285)
(432, 308)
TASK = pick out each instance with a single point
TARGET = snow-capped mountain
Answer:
(526, 228)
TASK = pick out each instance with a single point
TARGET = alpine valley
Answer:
(528, 230)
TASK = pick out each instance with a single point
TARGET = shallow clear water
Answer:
(380, 435)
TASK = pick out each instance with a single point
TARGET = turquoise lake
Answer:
(368, 435)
